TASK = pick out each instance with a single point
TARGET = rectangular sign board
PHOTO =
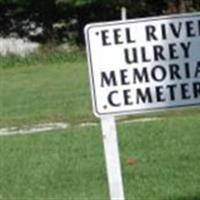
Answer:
(144, 65)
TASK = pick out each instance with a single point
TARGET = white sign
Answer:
(144, 65)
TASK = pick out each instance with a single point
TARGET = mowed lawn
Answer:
(39, 90)
(69, 164)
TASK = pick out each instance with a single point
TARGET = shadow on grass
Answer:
(196, 197)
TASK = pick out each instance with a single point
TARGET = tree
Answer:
(75, 14)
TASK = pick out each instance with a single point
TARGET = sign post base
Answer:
(112, 158)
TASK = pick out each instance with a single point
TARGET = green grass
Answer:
(168, 159)
(60, 165)
(69, 164)
(44, 91)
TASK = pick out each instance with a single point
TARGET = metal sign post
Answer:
(112, 158)
(111, 151)
(123, 13)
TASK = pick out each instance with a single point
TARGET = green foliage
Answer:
(18, 2)
(72, 15)
(76, 2)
